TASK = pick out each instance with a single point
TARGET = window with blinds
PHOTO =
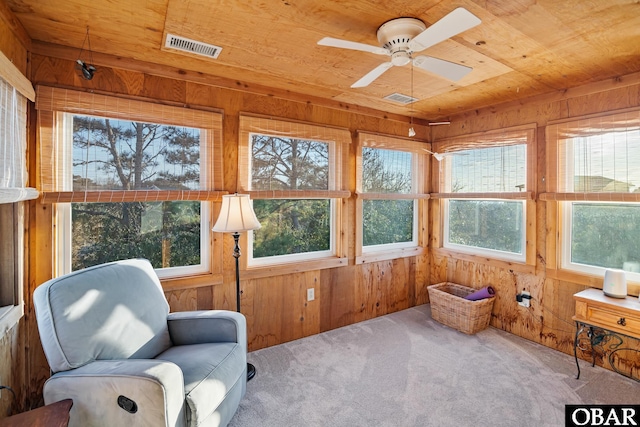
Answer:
(485, 191)
(128, 179)
(13, 146)
(390, 181)
(15, 92)
(597, 155)
(294, 174)
(596, 181)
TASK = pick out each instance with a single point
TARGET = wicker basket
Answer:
(449, 307)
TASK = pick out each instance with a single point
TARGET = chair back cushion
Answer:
(111, 311)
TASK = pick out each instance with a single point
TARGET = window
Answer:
(11, 247)
(486, 194)
(15, 90)
(132, 188)
(293, 174)
(390, 182)
(597, 165)
(493, 226)
(291, 226)
(602, 235)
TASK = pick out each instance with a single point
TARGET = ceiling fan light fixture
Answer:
(412, 132)
(401, 58)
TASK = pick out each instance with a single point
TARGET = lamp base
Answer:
(251, 371)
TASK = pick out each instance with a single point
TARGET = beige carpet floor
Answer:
(404, 369)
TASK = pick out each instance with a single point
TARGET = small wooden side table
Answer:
(53, 415)
(606, 320)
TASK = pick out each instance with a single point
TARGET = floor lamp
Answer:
(237, 216)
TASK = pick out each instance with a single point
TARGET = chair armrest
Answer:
(199, 327)
(155, 386)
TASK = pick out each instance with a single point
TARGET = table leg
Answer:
(592, 340)
(579, 330)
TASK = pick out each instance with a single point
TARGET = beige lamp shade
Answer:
(236, 215)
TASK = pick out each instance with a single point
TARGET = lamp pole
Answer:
(251, 370)
(237, 215)
(236, 255)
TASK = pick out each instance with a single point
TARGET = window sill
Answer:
(519, 267)
(10, 315)
(387, 255)
(290, 268)
(195, 281)
(592, 281)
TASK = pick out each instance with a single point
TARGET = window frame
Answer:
(413, 243)
(566, 212)
(492, 253)
(294, 258)
(420, 174)
(560, 194)
(12, 290)
(12, 307)
(54, 104)
(523, 134)
(64, 245)
(339, 140)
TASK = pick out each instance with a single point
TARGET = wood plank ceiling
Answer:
(522, 48)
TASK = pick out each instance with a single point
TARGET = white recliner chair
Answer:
(114, 348)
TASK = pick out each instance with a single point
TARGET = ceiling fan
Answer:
(402, 37)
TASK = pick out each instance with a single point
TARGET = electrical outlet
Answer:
(311, 294)
(525, 299)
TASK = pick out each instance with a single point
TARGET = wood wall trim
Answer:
(298, 194)
(518, 195)
(176, 283)
(507, 265)
(368, 257)
(593, 116)
(590, 197)
(104, 60)
(554, 97)
(116, 196)
(633, 288)
(291, 268)
(392, 196)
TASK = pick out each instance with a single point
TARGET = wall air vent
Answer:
(184, 44)
(400, 98)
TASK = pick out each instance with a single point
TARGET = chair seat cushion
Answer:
(211, 372)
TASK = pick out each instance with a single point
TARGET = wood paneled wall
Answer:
(275, 306)
(548, 321)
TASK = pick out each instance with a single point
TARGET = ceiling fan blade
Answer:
(446, 69)
(372, 75)
(454, 23)
(346, 44)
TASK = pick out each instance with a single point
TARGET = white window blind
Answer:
(13, 146)
(597, 154)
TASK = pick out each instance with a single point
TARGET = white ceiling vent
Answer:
(184, 44)
(400, 98)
